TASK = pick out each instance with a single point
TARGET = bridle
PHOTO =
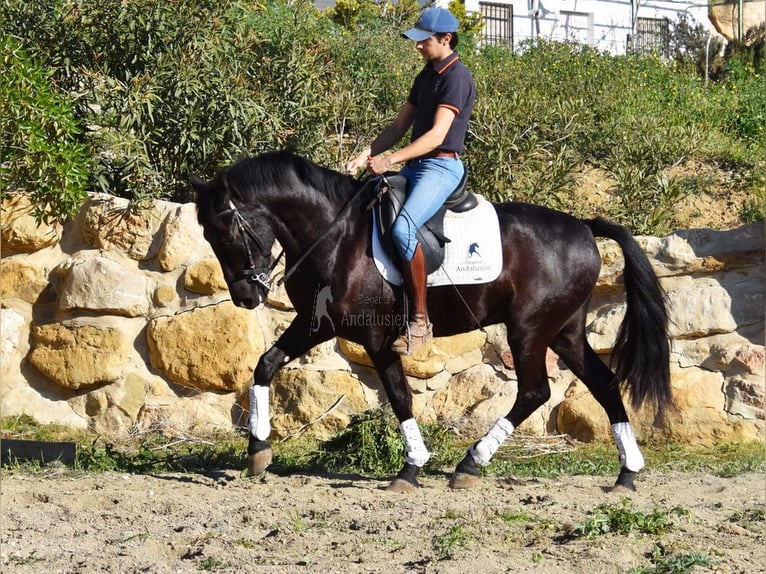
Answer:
(253, 274)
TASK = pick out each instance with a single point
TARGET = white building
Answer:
(616, 26)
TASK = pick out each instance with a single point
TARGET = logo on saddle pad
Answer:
(473, 249)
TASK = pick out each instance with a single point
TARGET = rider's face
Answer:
(434, 49)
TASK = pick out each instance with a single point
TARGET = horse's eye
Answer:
(228, 238)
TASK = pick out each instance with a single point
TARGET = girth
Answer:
(431, 234)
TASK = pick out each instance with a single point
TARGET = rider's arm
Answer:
(427, 142)
(423, 145)
(393, 134)
(388, 138)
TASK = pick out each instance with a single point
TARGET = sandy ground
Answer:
(225, 522)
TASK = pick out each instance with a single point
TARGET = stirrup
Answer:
(414, 337)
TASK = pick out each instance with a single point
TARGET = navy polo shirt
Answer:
(448, 84)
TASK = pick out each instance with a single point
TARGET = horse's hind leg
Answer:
(573, 348)
(533, 391)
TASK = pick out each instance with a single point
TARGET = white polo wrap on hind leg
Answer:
(483, 451)
(415, 451)
(630, 455)
(259, 423)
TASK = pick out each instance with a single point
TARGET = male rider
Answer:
(437, 109)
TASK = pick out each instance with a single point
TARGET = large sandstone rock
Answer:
(114, 224)
(22, 279)
(725, 17)
(12, 328)
(476, 392)
(210, 348)
(303, 400)
(76, 354)
(201, 413)
(715, 305)
(182, 242)
(112, 409)
(699, 417)
(45, 408)
(20, 231)
(104, 285)
(430, 360)
(205, 277)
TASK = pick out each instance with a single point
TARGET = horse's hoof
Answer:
(623, 489)
(462, 480)
(259, 461)
(624, 483)
(401, 485)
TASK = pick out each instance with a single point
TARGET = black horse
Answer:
(550, 267)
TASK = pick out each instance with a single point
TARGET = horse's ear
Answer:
(197, 183)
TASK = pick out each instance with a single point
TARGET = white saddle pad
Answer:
(473, 255)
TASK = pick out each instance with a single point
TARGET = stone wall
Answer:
(120, 321)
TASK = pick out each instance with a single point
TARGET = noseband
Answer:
(252, 274)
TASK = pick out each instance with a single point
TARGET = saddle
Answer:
(430, 234)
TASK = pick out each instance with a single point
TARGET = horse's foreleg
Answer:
(295, 341)
(389, 367)
(259, 453)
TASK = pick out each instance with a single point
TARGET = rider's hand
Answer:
(354, 165)
(379, 164)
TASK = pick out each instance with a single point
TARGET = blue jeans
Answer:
(431, 181)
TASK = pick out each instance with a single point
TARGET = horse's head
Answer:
(240, 237)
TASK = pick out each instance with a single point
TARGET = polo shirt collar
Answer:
(445, 63)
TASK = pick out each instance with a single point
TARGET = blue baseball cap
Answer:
(432, 21)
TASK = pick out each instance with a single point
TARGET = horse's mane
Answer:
(273, 170)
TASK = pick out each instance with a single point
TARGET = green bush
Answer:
(40, 149)
(161, 89)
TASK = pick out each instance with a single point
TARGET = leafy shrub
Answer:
(161, 89)
(620, 518)
(39, 138)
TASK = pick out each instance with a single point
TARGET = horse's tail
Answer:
(641, 355)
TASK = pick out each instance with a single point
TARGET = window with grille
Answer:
(652, 36)
(498, 23)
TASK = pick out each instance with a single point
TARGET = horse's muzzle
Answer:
(248, 302)
(246, 294)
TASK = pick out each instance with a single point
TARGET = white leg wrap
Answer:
(415, 451)
(483, 451)
(630, 456)
(259, 423)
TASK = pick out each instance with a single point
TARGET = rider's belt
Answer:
(439, 153)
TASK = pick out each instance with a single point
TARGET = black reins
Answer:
(327, 230)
